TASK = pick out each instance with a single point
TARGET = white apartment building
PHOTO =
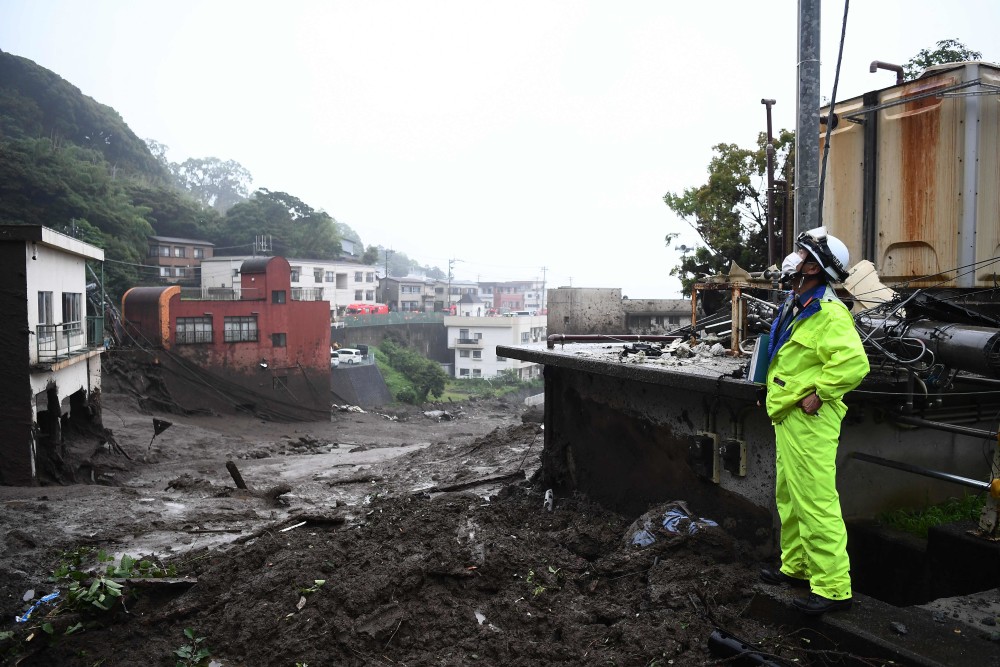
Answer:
(337, 281)
(475, 340)
(52, 349)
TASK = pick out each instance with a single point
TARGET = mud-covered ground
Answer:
(374, 539)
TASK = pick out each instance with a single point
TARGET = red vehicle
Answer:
(367, 309)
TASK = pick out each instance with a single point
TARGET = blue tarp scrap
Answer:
(23, 618)
(674, 518)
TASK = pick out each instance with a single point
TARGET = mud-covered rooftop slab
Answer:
(704, 370)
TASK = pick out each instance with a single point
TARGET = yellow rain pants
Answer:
(823, 355)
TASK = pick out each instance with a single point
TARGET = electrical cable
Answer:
(831, 116)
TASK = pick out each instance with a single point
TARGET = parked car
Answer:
(334, 358)
(349, 355)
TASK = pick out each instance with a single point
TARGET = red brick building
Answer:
(255, 349)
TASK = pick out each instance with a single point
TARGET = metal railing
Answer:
(61, 341)
(221, 294)
(307, 294)
(391, 318)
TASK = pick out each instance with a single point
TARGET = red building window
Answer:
(241, 329)
(193, 330)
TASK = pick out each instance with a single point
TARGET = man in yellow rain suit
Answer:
(816, 357)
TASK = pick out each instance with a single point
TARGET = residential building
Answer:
(475, 339)
(271, 351)
(179, 260)
(513, 295)
(447, 293)
(407, 293)
(655, 316)
(51, 360)
(339, 282)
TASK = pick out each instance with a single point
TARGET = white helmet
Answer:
(827, 251)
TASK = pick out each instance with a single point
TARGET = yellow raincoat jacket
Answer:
(824, 355)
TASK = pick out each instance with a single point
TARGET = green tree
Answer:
(728, 211)
(427, 376)
(370, 256)
(947, 51)
(220, 184)
(296, 229)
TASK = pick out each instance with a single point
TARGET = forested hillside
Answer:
(72, 164)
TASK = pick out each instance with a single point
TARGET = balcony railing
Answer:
(61, 341)
(307, 294)
(221, 294)
(245, 294)
(469, 341)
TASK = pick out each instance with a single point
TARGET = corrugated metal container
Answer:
(913, 179)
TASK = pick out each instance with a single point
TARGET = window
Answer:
(501, 359)
(71, 314)
(45, 314)
(296, 273)
(357, 276)
(278, 340)
(164, 271)
(194, 330)
(154, 251)
(164, 251)
(525, 337)
(236, 273)
(278, 296)
(331, 277)
(477, 354)
(477, 372)
(478, 335)
(318, 275)
(179, 251)
(240, 329)
(463, 334)
(199, 253)
(369, 277)
(369, 295)
(463, 372)
(463, 353)
(357, 295)
(439, 290)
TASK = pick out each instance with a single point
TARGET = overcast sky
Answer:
(509, 136)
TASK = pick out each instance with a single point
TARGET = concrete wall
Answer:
(579, 310)
(587, 310)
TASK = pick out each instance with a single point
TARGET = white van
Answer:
(349, 355)
(334, 358)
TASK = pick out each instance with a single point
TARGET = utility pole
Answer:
(771, 254)
(451, 263)
(388, 253)
(544, 269)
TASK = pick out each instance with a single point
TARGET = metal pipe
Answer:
(551, 340)
(807, 118)
(926, 472)
(898, 69)
(941, 426)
